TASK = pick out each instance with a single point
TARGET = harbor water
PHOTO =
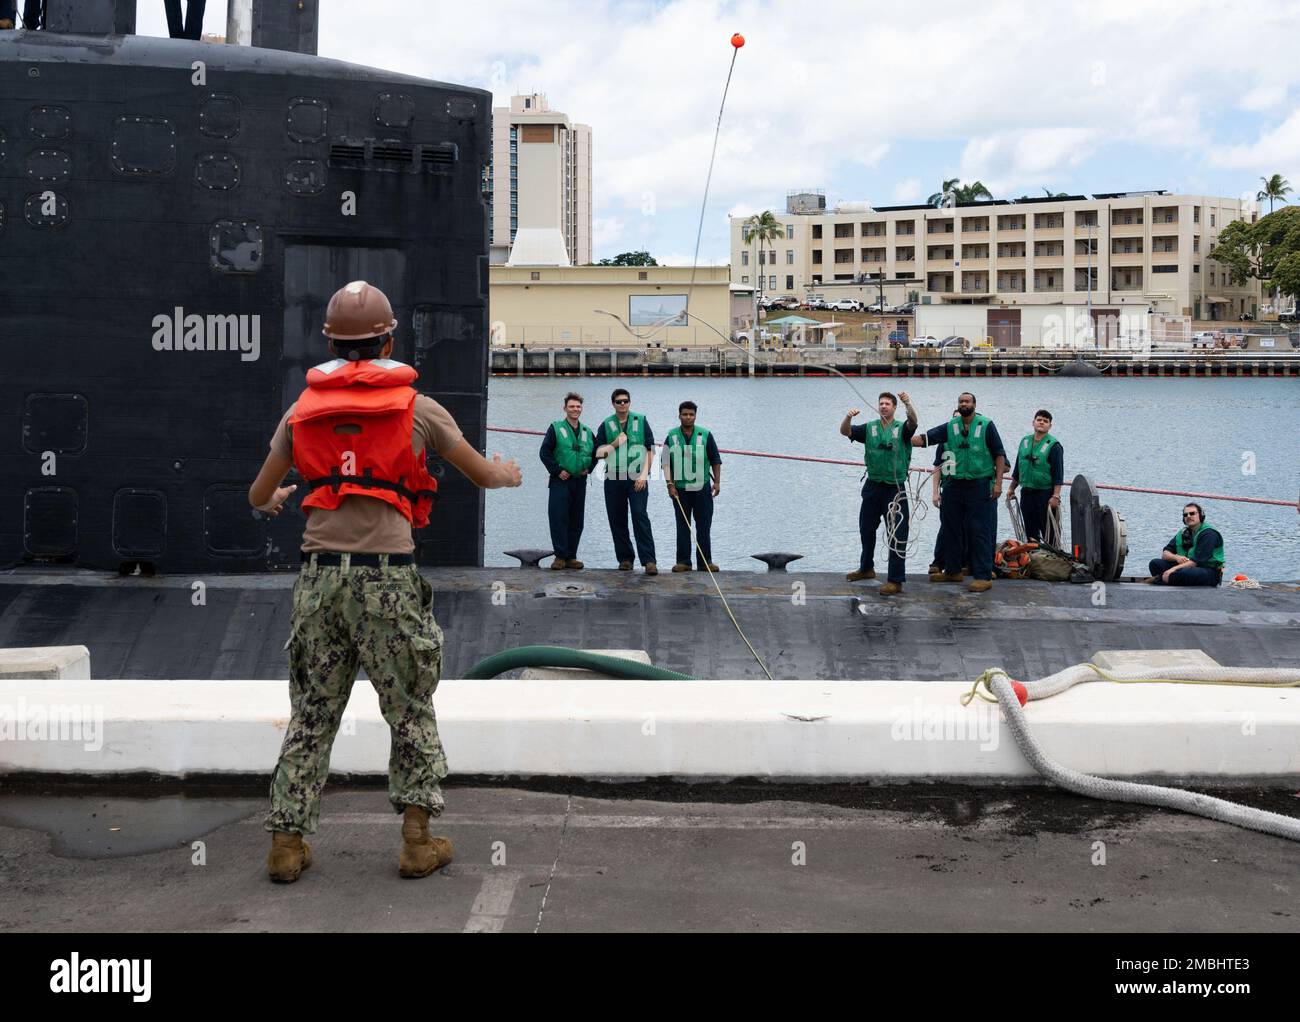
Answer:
(1235, 437)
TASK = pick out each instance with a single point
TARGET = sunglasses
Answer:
(1189, 514)
(623, 401)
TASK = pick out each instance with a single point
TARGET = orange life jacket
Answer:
(377, 461)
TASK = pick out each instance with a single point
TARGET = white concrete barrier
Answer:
(45, 662)
(690, 729)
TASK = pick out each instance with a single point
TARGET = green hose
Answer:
(562, 656)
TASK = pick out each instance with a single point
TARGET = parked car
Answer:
(876, 307)
(925, 341)
(843, 305)
(787, 302)
(953, 341)
(906, 309)
(898, 337)
(814, 302)
(1289, 317)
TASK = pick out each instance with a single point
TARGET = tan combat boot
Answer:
(421, 854)
(859, 575)
(979, 585)
(290, 855)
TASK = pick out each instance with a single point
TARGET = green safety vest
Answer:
(886, 456)
(971, 457)
(1216, 559)
(688, 462)
(573, 454)
(627, 461)
(1034, 471)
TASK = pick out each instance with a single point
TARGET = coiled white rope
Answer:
(999, 683)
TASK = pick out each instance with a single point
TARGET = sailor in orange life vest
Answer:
(359, 435)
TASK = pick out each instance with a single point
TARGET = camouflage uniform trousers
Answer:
(381, 617)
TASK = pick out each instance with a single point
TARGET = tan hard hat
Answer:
(358, 310)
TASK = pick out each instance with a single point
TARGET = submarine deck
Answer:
(804, 625)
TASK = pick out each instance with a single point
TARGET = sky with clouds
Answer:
(877, 102)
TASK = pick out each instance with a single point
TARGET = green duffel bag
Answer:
(1049, 566)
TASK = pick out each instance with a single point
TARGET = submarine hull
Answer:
(176, 215)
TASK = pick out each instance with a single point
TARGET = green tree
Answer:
(1275, 189)
(1268, 250)
(641, 258)
(765, 229)
(954, 193)
(943, 196)
(1053, 195)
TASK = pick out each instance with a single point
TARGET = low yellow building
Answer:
(609, 306)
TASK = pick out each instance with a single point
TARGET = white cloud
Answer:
(606, 231)
(870, 155)
(1025, 95)
(1275, 147)
(1042, 157)
(908, 191)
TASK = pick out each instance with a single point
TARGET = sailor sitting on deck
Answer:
(1194, 557)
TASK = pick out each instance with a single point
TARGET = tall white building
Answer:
(539, 182)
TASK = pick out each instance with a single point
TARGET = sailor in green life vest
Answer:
(690, 457)
(568, 452)
(1194, 557)
(887, 451)
(624, 440)
(974, 462)
(1040, 473)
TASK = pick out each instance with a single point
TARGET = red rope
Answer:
(929, 471)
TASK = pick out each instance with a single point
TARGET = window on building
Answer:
(1164, 268)
(817, 232)
(817, 256)
(771, 283)
(789, 282)
(745, 279)
(643, 275)
(744, 258)
(1211, 219)
(789, 257)
(1196, 214)
(1196, 244)
(789, 231)
(1212, 275)
(535, 275)
(762, 257)
(1196, 267)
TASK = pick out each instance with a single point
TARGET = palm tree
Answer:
(954, 192)
(1275, 188)
(1055, 195)
(972, 192)
(764, 228)
(938, 198)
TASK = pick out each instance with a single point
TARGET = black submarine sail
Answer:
(174, 215)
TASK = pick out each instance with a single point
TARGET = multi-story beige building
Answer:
(1137, 248)
(540, 178)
